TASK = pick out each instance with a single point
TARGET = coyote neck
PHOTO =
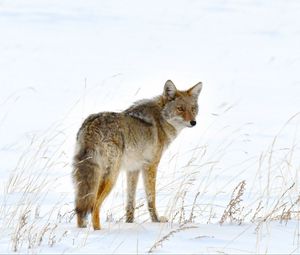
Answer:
(150, 112)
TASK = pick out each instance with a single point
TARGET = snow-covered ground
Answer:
(62, 60)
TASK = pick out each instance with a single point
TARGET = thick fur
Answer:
(133, 140)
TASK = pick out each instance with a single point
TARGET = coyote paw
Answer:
(81, 222)
(98, 227)
(162, 219)
(129, 220)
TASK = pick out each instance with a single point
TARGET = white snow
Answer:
(63, 60)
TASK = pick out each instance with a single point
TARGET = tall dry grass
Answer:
(27, 218)
(190, 193)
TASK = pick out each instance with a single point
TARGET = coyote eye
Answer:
(180, 109)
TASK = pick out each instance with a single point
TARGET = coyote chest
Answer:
(135, 159)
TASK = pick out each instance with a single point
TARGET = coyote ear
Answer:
(195, 90)
(169, 90)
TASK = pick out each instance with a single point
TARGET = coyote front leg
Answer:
(149, 174)
(132, 180)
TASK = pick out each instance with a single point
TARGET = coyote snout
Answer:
(134, 140)
(193, 123)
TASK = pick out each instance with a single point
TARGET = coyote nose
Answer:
(193, 122)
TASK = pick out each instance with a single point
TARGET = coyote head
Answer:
(181, 107)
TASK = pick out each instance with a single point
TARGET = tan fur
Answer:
(133, 140)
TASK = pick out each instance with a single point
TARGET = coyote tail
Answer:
(86, 179)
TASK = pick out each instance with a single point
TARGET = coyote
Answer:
(134, 140)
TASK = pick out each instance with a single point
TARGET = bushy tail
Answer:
(86, 179)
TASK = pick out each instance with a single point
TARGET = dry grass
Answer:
(159, 243)
(28, 187)
(190, 196)
(234, 210)
(273, 196)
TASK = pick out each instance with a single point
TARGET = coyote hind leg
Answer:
(106, 184)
